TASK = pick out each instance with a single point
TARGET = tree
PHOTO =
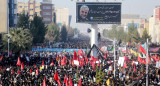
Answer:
(130, 30)
(20, 39)
(136, 37)
(99, 75)
(52, 32)
(145, 36)
(64, 33)
(76, 31)
(133, 35)
(38, 29)
(70, 31)
(23, 21)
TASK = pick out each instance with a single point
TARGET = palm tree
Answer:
(20, 39)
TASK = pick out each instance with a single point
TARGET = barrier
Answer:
(56, 50)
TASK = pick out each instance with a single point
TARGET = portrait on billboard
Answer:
(83, 13)
(104, 13)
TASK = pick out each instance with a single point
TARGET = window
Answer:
(31, 9)
(36, 13)
(46, 7)
(46, 13)
(36, 6)
(46, 19)
(20, 6)
(25, 6)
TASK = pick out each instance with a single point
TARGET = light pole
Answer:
(114, 58)
(8, 24)
(147, 64)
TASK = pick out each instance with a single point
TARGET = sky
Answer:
(144, 8)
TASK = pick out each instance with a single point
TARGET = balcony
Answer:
(15, 11)
(15, 21)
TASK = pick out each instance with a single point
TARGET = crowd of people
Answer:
(13, 75)
(38, 68)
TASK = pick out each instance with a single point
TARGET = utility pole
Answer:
(114, 58)
(147, 64)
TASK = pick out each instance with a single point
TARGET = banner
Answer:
(56, 50)
(121, 61)
(103, 13)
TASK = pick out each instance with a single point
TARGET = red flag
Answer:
(86, 59)
(106, 55)
(18, 62)
(44, 81)
(156, 55)
(42, 62)
(154, 58)
(56, 78)
(80, 52)
(134, 68)
(125, 65)
(73, 64)
(70, 62)
(63, 61)
(65, 79)
(93, 66)
(34, 65)
(75, 57)
(52, 63)
(67, 84)
(57, 58)
(109, 61)
(139, 59)
(148, 59)
(12, 71)
(37, 72)
(80, 82)
(30, 71)
(4, 68)
(94, 59)
(70, 81)
(126, 58)
(141, 49)
(18, 72)
(22, 66)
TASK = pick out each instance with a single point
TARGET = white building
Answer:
(62, 16)
(154, 26)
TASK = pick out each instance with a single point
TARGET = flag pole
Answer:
(147, 64)
(8, 25)
(114, 57)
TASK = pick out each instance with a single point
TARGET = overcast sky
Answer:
(144, 8)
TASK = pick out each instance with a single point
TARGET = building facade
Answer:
(4, 16)
(12, 13)
(8, 14)
(47, 12)
(44, 9)
(62, 16)
(154, 25)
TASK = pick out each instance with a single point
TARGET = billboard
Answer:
(101, 13)
(3, 16)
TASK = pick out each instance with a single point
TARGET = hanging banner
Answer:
(101, 13)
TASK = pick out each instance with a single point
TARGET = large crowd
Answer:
(40, 65)
(13, 75)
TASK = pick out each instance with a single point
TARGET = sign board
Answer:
(3, 16)
(101, 13)
(121, 61)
